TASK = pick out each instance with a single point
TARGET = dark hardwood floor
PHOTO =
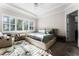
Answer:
(64, 49)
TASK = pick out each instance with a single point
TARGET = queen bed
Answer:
(41, 40)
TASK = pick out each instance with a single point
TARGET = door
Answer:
(70, 28)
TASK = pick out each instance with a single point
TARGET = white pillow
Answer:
(1, 34)
(41, 31)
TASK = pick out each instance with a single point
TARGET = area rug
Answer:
(23, 48)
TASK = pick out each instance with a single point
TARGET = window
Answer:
(6, 27)
(12, 24)
(8, 23)
(19, 24)
(31, 25)
(12, 21)
(26, 25)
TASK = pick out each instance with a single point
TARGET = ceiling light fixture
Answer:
(36, 4)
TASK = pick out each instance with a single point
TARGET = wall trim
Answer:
(8, 7)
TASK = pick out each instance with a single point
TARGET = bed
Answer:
(41, 36)
(41, 40)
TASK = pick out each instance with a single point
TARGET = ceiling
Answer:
(40, 9)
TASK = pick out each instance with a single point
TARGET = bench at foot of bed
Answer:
(40, 44)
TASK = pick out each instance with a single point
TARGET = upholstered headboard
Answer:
(51, 31)
(54, 31)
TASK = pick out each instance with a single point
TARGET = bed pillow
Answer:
(41, 31)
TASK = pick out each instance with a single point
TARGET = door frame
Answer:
(66, 13)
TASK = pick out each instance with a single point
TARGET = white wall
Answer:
(53, 21)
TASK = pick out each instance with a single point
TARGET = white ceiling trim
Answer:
(55, 11)
(12, 5)
(19, 10)
(52, 13)
(26, 12)
(51, 9)
(44, 13)
(58, 7)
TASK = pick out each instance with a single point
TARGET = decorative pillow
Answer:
(1, 34)
(41, 31)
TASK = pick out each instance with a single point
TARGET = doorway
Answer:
(72, 27)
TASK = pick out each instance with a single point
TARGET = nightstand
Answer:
(61, 38)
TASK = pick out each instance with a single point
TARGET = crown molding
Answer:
(26, 11)
(55, 11)
(46, 12)
(51, 11)
(9, 7)
(53, 8)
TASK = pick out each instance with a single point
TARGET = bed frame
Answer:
(40, 44)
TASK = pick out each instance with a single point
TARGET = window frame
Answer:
(9, 23)
(21, 25)
(28, 21)
(27, 25)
